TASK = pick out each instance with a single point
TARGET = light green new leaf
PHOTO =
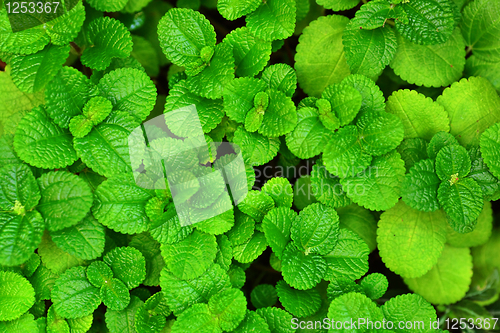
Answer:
(345, 100)
(239, 97)
(409, 308)
(379, 186)
(374, 285)
(281, 77)
(326, 188)
(99, 273)
(421, 116)
(180, 294)
(233, 9)
(108, 39)
(343, 153)
(183, 33)
(475, 66)
(250, 249)
(127, 264)
(300, 303)
(191, 257)
(280, 117)
(372, 97)
(119, 204)
(379, 133)
(463, 202)
(420, 186)
(67, 94)
(250, 54)
(479, 98)
(368, 52)
(280, 190)
(278, 320)
(252, 323)
(452, 163)
(481, 29)
(123, 321)
(429, 21)
(73, 295)
(448, 281)
(115, 295)
(354, 307)
(196, 318)
(66, 199)
(349, 257)
(263, 296)
(41, 143)
(490, 149)
(320, 59)
(97, 109)
(338, 5)
(410, 242)
(16, 295)
(105, 149)
(145, 321)
(84, 240)
(302, 271)
(229, 307)
(316, 229)
(31, 73)
(309, 137)
(129, 90)
(430, 65)
(256, 204)
(273, 19)
(276, 225)
(79, 126)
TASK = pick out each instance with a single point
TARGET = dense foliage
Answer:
(370, 136)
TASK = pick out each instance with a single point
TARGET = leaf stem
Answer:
(76, 48)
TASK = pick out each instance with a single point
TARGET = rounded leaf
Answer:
(276, 225)
(99, 273)
(354, 307)
(302, 271)
(115, 295)
(300, 303)
(229, 307)
(16, 295)
(379, 133)
(127, 264)
(274, 19)
(420, 186)
(263, 296)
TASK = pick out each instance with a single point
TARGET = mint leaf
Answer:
(108, 5)
(452, 163)
(41, 143)
(338, 5)
(16, 295)
(115, 295)
(420, 186)
(229, 307)
(263, 296)
(438, 142)
(413, 151)
(360, 221)
(345, 100)
(239, 95)
(309, 136)
(20, 192)
(490, 141)
(99, 273)
(123, 320)
(372, 97)
(127, 264)
(250, 249)
(326, 187)
(274, 19)
(379, 133)
(300, 303)
(408, 307)
(276, 225)
(277, 319)
(252, 322)
(281, 77)
(233, 9)
(280, 116)
(280, 190)
(354, 306)
(374, 285)
(482, 174)
(302, 271)
(256, 149)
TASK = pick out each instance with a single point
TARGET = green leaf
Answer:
(463, 202)
(410, 242)
(67, 94)
(33, 72)
(239, 97)
(420, 187)
(379, 133)
(478, 236)
(353, 307)
(66, 199)
(374, 285)
(252, 323)
(372, 97)
(429, 21)
(250, 249)
(84, 240)
(42, 281)
(243, 228)
(320, 59)
(341, 285)
(234, 9)
(430, 65)
(257, 204)
(438, 141)
(127, 264)
(146, 54)
(105, 149)
(167, 229)
(224, 254)
(192, 256)
(413, 151)
(448, 281)
(482, 111)
(54, 258)
(360, 221)
(368, 52)
(180, 294)
(482, 174)
(109, 39)
(302, 271)
(250, 54)
(123, 321)
(183, 33)
(379, 186)
(278, 320)
(80, 325)
(8, 155)
(273, 19)
(452, 163)
(490, 145)
(345, 100)
(150, 249)
(99, 273)
(129, 90)
(316, 229)
(119, 204)
(41, 143)
(114, 295)
(147, 322)
(343, 152)
(79, 126)
(228, 307)
(349, 257)
(326, 187)
(97, 109)
(73, 296)
(108, 5)
(475, 66)
(263, 296)
(210, 112)
(196, 318)
(300, 303)
(276, 225)
(409, 308)
(481, 28)
(280, 190)
(281, 77)
(280, 117)
(421, 116)
(16, 295)
(338, 5)
(309, 136)
(375, 14)
(19, 192)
